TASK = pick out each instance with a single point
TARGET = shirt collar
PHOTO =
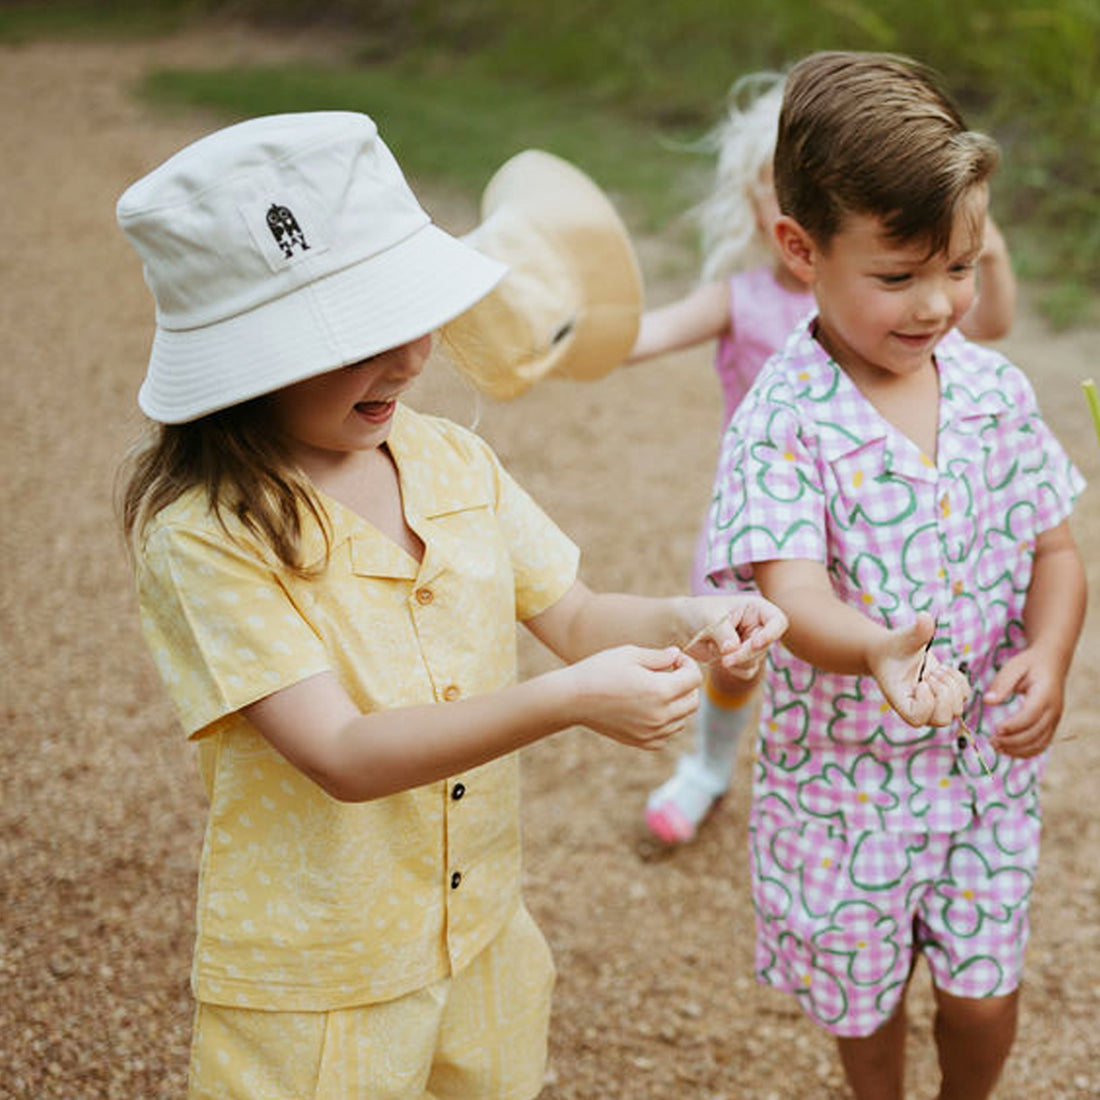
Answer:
(434, 483)
(970, 378)
(969, 387)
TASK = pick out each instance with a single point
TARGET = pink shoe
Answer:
(668, 824)
(676, 809)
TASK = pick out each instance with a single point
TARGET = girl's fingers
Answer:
(671, 658)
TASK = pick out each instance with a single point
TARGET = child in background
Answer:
(749, 300)
(894, 489)
(329, 583)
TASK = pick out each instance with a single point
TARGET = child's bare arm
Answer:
(634, 695)
(994, 309)
(704, 314)
(732, 630)
(639, 697)
(835, 637)
(1053, 616)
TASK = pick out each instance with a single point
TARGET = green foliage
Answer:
(1026, 70)
(616, 84)
(459, 126)
(20, 21)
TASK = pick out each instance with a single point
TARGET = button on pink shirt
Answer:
(809, 469)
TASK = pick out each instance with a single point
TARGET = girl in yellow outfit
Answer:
(329, 583)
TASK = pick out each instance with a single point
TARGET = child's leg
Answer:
(974, 932)
(875, 1065)
(973, 1038)
(676, 809)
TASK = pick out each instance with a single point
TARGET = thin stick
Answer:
(974, 745)
(924, 657)
(706, 632)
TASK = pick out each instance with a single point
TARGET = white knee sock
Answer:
(718, 727)
(676, 808)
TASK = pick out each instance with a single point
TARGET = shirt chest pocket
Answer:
(868, 494)
(468, 541)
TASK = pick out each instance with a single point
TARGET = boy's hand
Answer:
(921, 689)
(739, 640)
(1040, 681)
(638, 697)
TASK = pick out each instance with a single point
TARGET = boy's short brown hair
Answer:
(873, 133)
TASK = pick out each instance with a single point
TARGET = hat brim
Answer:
(394, 297)
(571, 303)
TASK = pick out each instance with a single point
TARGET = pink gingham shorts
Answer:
(841, 917)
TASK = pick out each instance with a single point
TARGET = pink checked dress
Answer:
(763, 313)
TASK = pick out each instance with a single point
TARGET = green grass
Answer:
(458, 126)
(99, 19)
(616, 86)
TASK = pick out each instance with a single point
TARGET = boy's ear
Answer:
(796, 247)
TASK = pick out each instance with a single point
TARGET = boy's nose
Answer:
(935, 302)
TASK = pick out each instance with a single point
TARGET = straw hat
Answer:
(572, 299)
(281, 248)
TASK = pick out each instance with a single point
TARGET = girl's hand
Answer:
(638, 697)
(933, 696)
(1031, 729)
(738, 641)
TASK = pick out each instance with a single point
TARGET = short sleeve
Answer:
(544, 559)
(769, 498)
(222, 629)
(1056, 483)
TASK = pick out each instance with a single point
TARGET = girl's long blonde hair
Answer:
(241, 466)
(745, 143)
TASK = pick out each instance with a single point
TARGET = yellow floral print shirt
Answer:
(307, 903)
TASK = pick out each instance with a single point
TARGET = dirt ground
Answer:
(100, 807)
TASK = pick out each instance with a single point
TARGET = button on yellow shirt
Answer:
(307, 903)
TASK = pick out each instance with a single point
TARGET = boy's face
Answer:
(884, 306)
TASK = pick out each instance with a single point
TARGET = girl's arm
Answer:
(702, 315)
(732, 630)
(636, 696)
(994, 309)
(1053, 616)
(835, 637)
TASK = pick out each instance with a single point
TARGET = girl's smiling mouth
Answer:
(377, 412)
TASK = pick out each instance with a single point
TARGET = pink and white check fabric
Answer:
(839, 916)
(871, 839)
(810, 469)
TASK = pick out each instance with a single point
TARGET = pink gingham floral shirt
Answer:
(809, 469)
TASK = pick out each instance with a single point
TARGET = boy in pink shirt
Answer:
(893, 488)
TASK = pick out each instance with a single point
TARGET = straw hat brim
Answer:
(571, 302)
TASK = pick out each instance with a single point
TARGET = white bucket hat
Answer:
(571, 302)
(281, 248)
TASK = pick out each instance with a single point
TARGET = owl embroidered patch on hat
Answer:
(283, 247)
(571, 302)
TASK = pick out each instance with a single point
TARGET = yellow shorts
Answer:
(480, 1033)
